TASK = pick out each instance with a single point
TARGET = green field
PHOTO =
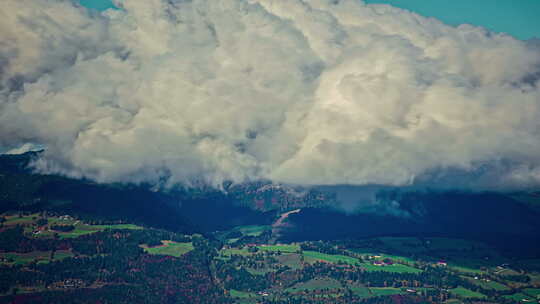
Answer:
(317, 283)
(312, 256)
(385, 291)
(232, 251)
(30, 223)
(390, 268)
(253, 230)
(82, 229)
(241, 294)
(519, 297)
(533, 292)
(37, 256)
(292, 260)
(230, 241)
(13, 220)
(396, 258)
(489, 285)
(465, 269)
(259, 271)
(280, 248)
(361, 291)
(170, 248)
(466, 293)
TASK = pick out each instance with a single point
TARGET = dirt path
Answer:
(279, 224)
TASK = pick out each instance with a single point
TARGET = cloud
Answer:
(27, 147)
(315, 92)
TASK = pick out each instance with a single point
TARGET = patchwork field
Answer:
(254, 271)
(43, 226)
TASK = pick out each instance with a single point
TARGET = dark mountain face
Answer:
(180, 210)
(492, 217)
(489, 217)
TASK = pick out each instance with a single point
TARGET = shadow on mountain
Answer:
(488, 217)
(180, 211)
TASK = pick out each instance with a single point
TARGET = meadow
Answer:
(169, 248)
(466, 293)
(313, 256)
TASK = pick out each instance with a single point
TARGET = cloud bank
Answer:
(316, 92)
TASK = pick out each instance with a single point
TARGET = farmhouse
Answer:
(442, 263)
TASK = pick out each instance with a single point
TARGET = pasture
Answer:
(519, 297)
(285, 248)
(466, 293)
(489, 285)
(14, 258)
(399, 268)
(315, 284)
(385, 291)
(314, 256)
(253, 230)
(292, 260)
(169, 248)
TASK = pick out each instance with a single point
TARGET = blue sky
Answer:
(97, 4)
(519, 18)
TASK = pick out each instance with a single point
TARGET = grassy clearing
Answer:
(489, 285)
(292, 260)
(170, 248)
(403, 244)
(533, 292)
(233, 251)
(362, 292)
(386, 291)
(317, 283)
(82, 229)
(390, 268)
(12, 220)
(466, 293)
(253, 230)
(230, 241)
(381, 256)
(282, 248)
(519, 297)
(31, 223)
(241, 294)
(262, 271)
(465, 269)
(313, 256)
(12, 258)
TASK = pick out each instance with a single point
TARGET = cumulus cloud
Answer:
(316, 92)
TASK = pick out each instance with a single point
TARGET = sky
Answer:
(97, 4)
(315, 92)
(517, 18)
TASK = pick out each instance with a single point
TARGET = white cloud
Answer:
(304, 92)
